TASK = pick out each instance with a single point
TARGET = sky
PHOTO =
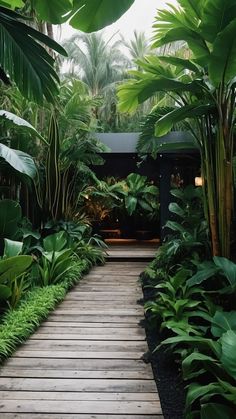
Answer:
(140, 17)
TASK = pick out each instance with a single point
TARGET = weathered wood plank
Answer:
(83, 364)
(105, 407)
(93, 318)
(76, 373)
(79, 354)
(83, 345)
(88, 325)
(82, 385)
(105, 336)
(57, 395)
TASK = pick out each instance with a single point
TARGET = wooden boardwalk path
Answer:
(84, 361)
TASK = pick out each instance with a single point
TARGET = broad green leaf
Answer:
(13, 4)
(53, 11)
(10, 215)
(133, 92)
(19, 122)
(195, 341)
(165, 124)
(217, 411)
(12, 248)
(193, 362)
(131, 204)
(216, 15)
(181, 63)
(222, 322)
(145, 205)
(197, 391)
(5, 292)
(194, 40)
(92, 15)
(19, 161)
(206, 270)
(173, 225)
(55, 242)
(228, 268)
(12, 267)
(176, 209)
(228, 359)
(222, 61)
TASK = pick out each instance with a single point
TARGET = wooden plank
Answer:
(88, 296)
(57, 395)
(66, 305)
(101, 311)
(79, 354)
(83, 364)
(82, 385)
(88, 325)
(83, 345)
(76, 373)
(105, 407)
(69, 416)
(93, 318)
(79, 336)
(112, 331)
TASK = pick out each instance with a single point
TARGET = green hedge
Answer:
(18, 324)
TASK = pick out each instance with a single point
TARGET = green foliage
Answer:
(86, 15)
(220, 266)
(18, 324)
(10, 215)
(25, 60)
(140, 195)
(12, 278)
(56, 259)
(203, 96)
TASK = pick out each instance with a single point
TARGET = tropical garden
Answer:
(54, 98)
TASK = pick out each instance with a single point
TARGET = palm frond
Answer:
(25, 60)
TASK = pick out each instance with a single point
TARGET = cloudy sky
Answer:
(140, 17)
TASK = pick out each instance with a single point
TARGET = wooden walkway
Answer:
(84, 361)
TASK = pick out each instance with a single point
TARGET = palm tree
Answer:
(138, 47)
(100, 65)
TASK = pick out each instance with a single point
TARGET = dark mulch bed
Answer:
(167, 372)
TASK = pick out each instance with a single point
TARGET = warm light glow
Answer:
(198, 181)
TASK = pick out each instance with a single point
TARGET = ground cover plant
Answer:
(192, 304)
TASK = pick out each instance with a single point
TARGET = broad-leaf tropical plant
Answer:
(86, 15)
(203, 90)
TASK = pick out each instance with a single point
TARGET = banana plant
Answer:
(204, 93)
(86, 15)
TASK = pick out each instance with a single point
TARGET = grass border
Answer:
(18, 324)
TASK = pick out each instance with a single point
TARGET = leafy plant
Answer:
(12, 271)
(221, 267)
(213, 359)
(204, 95)
(141, 196)
(56, 259)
